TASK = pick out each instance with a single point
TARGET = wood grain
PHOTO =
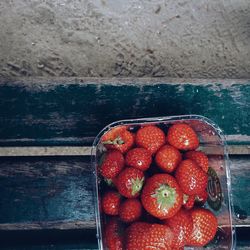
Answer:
(40, 194)
(86, 151)
(65, 111)
(46, 193)
(56, 192)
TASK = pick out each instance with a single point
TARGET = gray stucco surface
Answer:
(174, 38)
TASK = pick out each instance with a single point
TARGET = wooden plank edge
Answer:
(61, 225)
(86, 151)
(45, 151)
(43, 81)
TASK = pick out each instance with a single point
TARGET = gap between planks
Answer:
(84, 225)
(61, 225)
(86, 151)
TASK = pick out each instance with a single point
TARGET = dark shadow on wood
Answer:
(47, 237)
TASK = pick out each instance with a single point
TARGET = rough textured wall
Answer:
(174, 38)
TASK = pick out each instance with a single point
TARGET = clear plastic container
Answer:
(212, 142)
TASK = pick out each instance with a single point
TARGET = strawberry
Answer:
(144, 236)
(199, 157)
(188, 201)
(181, 225)
(167, 158)
(129, 182)
(118, 138)
(150, 137)
(183, 137)
(201, 198)
(204, 227)
(111, 203)
(130, 210)
(138, 158)
(113, 162)
(162, 196)
(137, 227)
(191, 178)
(114, 235)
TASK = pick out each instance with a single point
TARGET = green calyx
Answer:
(109, 182)
(165, 196)
(117, 141)
(136, 185)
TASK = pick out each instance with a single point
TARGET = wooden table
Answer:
(46, 131)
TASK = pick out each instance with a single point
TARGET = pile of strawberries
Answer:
(155, 189)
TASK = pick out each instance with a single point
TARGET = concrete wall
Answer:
(174, 38)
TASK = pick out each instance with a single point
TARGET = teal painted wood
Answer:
(240, 176)
(56, 192)
(46, 193)
(69, 111)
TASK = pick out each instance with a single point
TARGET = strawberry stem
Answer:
(109, 182)
(165, 196)
(117, 141)
(137, 185)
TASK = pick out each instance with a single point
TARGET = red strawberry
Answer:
(130, 210)
(138, 158)
(201, 198)
(199, 157)
(136, 228)
(113, 163)
(204, 227)
(188, 201)
(181, 225)
(129, 182)
(167, 158)
(183, 137)
(162, 196)
(118, 138)
(114, 235)
(111, 203)
(191, 178)
(150, 137)
(144, 236)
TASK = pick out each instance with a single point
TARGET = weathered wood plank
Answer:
(56, 193)
(46, 151)
(53, 195)
(46, 193)
(240, 189)
(69, 110)
(60, 224)
(74, 240)
(86, 151)
(48, 239)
